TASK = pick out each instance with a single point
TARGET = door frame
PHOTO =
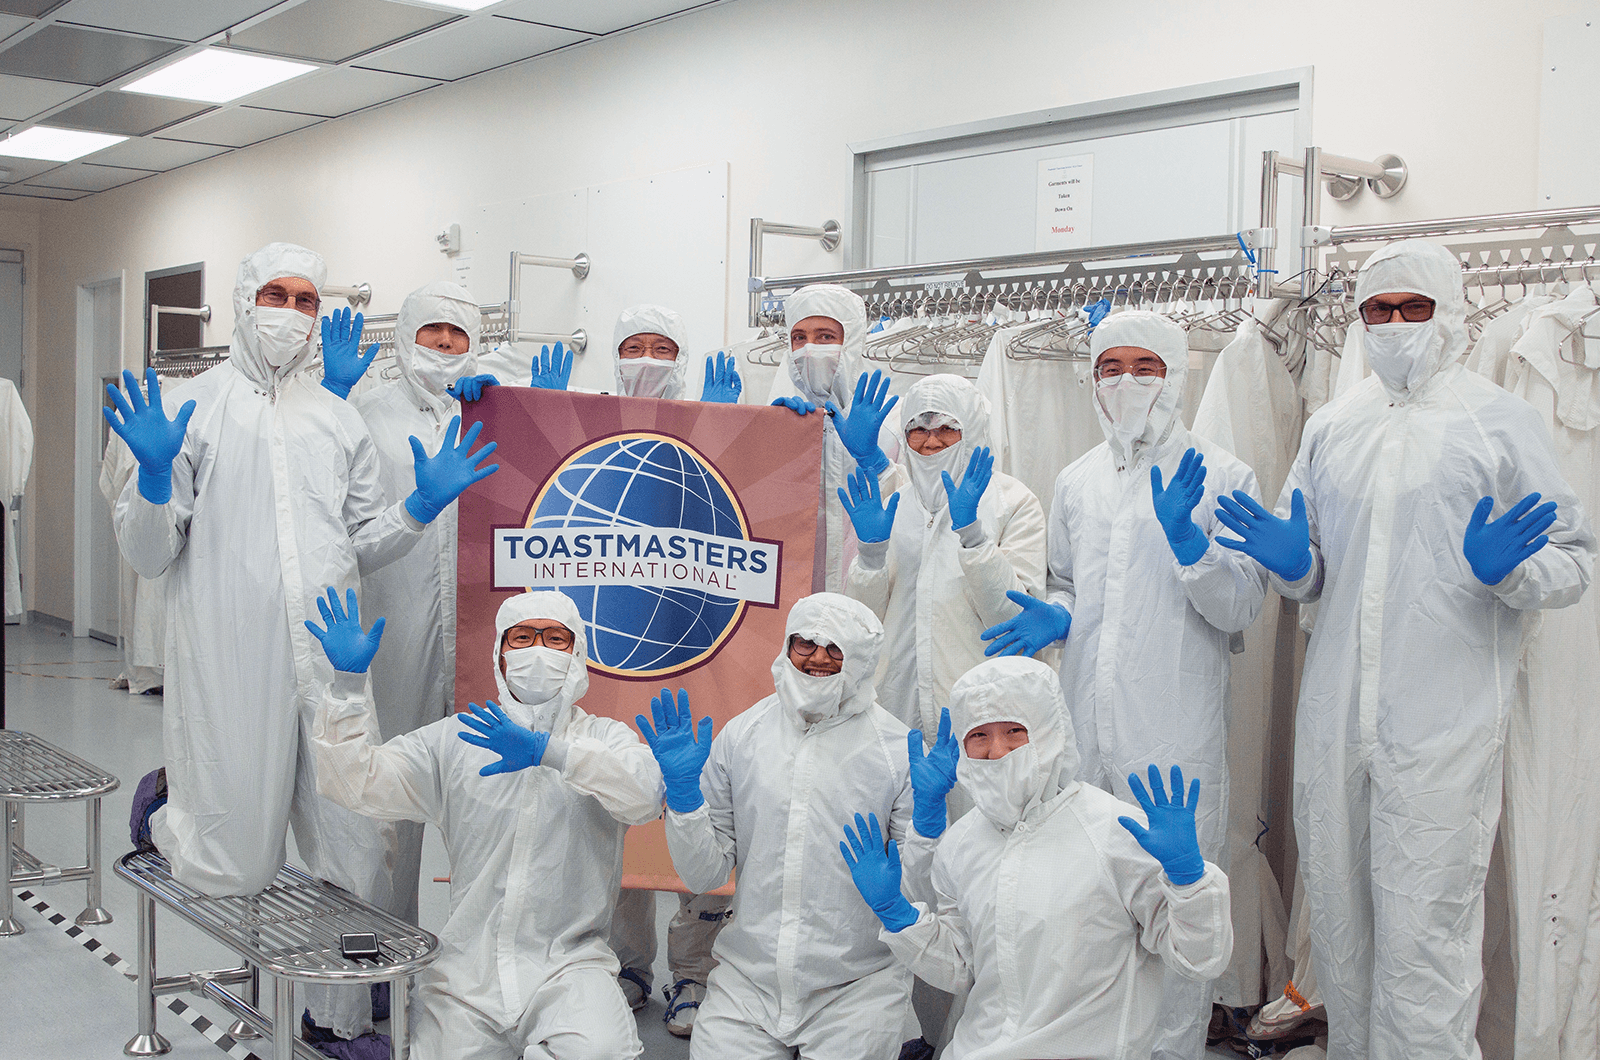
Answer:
(86, 431)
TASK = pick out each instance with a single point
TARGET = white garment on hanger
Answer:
(16, 457)
(142, 601)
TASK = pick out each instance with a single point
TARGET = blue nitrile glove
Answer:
(1095, 312)
(551, 371)
(876, 870)
(154, 439)
(681, 751)
(1283, 546)
(1038, 626)
(1495, 549)
(798, 405)
(343, 363)
(932, 776)
(471, 387)
(859, 430)
(518, 748)
(1171, 838)
(965, 497)
(1175, 507)
(345, 644)
(443, 478)
(723, 384)
(864, 505)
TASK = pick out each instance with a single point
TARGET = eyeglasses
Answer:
(276, 297)
(558, 637)
(1138, 371)
(917, 436)
(806, 648)
(1413, 312)
(662, 351)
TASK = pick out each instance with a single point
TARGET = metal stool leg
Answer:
(93, 912)
(399, 1018)
(284, 1024)
(9, 925)
(239, 1030)
(148, 1042)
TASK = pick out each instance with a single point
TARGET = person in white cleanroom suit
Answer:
(826, 366)
(937, 586)
(535, 835)
(261, 490)
(649, 359)
(435, 348)
(1149, 598)
(1408, 677)
(800, 967)
(1046, 913)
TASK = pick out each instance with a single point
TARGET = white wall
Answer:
(779, 88)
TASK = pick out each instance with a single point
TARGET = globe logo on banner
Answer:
(650, 542)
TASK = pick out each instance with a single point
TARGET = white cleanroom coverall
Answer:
(1408, 678)
(934, 588)
(836, 539)
(414, 683)
(141, 608)
(535, 858)
(1056, 925)
(1145, 665)
(800, 965)
(16, 457)
(275, 495)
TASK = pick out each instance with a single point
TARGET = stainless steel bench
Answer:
(290, 931)
(32, 770)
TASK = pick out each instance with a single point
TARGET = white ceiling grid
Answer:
(63, 63)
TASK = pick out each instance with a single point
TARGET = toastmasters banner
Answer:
(683, 530)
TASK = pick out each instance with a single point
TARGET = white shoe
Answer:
(683, 1002)
(635, 988)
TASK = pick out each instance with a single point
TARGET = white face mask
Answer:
(437, 370)
(1002, 788)
(813, 698)
(1398, 352)
(536, 675)
(817, 366)
(644, 376)
(282, 333)
(925, 477)
(1126, 400)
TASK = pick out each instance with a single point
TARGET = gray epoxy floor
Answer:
(57, 999)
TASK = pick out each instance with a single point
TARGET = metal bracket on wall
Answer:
(204, 313)
(357, 296)
(829, 235)
(579, 264)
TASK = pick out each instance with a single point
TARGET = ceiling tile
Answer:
(154, 153)
(332, 31)
(23, 168)
(23, 97)
(190, 20)
(126, 113)
(31, 8)
(81, 176)
(338, 90)
(81, 56)
(29, 191)
(239, 127)
(10, 24)
(594, 16)
(470, 47)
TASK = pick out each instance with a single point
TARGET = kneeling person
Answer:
(1046, 912)
(801, 971)
(535, 855)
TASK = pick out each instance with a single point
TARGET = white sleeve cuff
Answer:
(874, 555)
(972, 534)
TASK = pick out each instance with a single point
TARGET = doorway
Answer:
(96, 559)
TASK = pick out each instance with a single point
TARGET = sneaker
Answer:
(683, 1002)
(369, 1046)
(635, 988)
(916, 1049)
(1287, 1016)
(148, 797)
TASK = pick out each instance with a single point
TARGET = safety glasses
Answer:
(1413, 312)
(805, 648)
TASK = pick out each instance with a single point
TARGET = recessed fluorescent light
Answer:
(215, 76)
(457, 5)
(55, 145)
